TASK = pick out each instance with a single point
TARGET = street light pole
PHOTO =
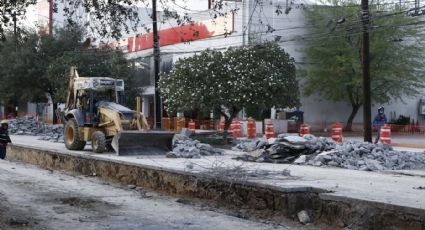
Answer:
(156, 54)
(367, 119)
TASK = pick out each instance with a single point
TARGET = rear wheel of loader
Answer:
(72, 137)
(98, 142)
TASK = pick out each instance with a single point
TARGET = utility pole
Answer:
(367, 120)
(243, 22)
(156, 54)
(15, 33)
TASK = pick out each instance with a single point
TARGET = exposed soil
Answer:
(34, 198)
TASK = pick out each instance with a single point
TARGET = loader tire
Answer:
(98, 142)
(72, 136)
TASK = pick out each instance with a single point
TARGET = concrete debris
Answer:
(301, 160)
(283, 150)
(180, 138)
(184, 147)
(303, 217)
(184, 201)
(131, 186)
(18, 221)
(249, 145)
(242, 173)
(319, 151)
(286, 172)
(186, 132)
(30, 126)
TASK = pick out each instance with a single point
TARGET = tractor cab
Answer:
(90, 92)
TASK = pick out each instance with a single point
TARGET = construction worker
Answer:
(379, 121)
(4, 138)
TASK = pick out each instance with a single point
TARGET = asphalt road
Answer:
(34, 198)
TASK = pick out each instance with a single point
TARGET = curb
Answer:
(409, 145)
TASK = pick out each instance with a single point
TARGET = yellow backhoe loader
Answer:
(93, 113)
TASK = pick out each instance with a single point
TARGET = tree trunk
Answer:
(228, 119)
(354, 110)
(55, 117)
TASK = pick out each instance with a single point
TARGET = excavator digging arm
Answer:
(70, 99)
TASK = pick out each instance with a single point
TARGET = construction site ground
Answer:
(394, 191)
(34, 198)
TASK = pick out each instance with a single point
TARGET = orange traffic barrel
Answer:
(251, 130)
(221, 125)
(212, 124)
(337, 132)
(269, 130)
(385, 135)
(236, 128)
(192, 126)
(304, 129)
(180, 123)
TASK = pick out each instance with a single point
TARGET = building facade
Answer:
(253, 21)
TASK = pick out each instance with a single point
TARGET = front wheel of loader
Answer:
(72, 136)
(98, 142)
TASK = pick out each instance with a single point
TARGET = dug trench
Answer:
(261, 201)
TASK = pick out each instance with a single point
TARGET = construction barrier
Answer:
(269, 131)
(192, 126)
(236, 128)
(251, 130)
(180, 123)
(304, 129)
(212, 124)
(385, 134)
(222, 126)
(166, 123)
(337, 132)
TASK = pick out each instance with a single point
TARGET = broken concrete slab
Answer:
(30, 126)
(350, 155)
(185, 147)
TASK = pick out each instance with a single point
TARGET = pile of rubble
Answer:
(284, 149)
(30, 126)
(368, 157)
(319, 151)
(185, 147)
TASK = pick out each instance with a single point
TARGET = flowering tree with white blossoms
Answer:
(261, 75)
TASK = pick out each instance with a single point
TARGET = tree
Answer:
(113, 18)
(42, 62)
(66, 49)
(334, 51)
(261, 75)
(20, 71)
(10, 10)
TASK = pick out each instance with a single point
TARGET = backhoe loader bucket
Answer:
(127, 143)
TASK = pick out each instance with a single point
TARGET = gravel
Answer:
(322, 152)
(185, 147)
(30, 126)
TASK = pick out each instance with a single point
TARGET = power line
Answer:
(309, 35)
(298, 38)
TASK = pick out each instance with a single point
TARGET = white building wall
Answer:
(253, 19)
(289, 30)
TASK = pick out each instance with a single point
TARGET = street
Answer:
(212, 115)
(34, 198)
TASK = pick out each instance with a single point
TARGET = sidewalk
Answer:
(397, 140)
